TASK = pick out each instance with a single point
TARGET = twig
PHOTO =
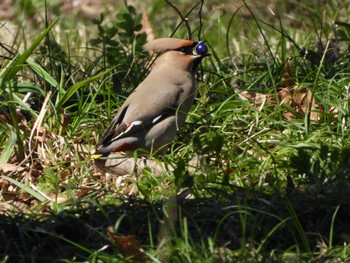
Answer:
(39, 120)
(183, 19)
(200, 19)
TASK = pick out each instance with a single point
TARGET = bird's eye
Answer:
(183, 50)
(201, 49)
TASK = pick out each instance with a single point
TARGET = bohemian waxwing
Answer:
(151, 116)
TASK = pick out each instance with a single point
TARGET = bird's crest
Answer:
(161, 45)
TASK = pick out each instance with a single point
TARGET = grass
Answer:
(259, 172)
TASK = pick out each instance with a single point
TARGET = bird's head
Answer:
(186, 54)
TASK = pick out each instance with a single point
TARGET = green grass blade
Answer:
(9, 147)
(10, 71)
(20, 102)
(24, 87)
(26, 188)
(331, 231)
(77, 86)
(5, 71)
(42, 72)
(273, 230)
(298, 225)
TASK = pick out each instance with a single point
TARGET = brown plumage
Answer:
(161, 45)
(151, 116)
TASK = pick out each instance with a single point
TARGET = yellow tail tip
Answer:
(96, 156)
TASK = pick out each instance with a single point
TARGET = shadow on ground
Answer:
(302, 219)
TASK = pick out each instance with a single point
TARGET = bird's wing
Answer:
(135, 116)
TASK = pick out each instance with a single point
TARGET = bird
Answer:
(154, 112)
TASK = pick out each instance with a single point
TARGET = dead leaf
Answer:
(128, 245)
(301, 99)
(22, 121)
(287, 80)
(8, 167)
(257, 98)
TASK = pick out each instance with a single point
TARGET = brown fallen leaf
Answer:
(256, 97)
(128, 245)
(301, 99)
(287, 80)
(22, 121)
(8, 168)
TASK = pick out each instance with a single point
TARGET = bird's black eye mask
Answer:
(186, 50)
